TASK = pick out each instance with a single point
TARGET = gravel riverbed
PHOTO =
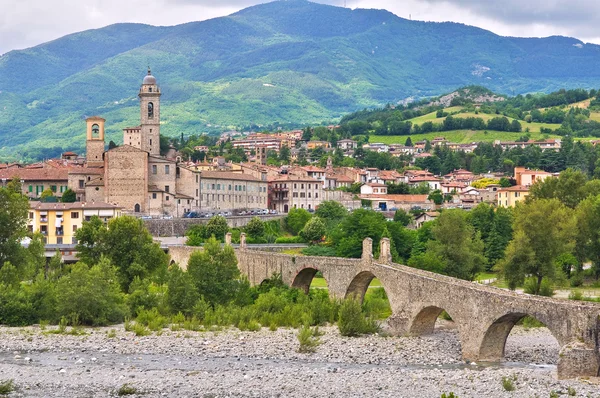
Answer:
(266, 364)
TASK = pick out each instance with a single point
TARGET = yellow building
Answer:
(509, 197)
(59, 221)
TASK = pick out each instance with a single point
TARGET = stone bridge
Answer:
(483, 315)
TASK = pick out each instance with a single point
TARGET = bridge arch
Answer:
(496, 334)
(304, 278)
(424, 321)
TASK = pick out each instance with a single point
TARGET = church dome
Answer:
(149, 79)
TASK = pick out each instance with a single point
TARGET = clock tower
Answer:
(150, 115)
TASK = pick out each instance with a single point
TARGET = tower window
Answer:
(150, 110)
(149, 89)
(95, 130)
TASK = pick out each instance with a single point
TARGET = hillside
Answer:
(287, 63)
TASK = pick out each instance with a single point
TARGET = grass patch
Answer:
(508, 384)
(484, 276)
(127, 389)
(6, 387)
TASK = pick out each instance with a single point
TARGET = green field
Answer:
(458, 136)
(595, 116)
(431, 117)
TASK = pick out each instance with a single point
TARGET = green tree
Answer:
(92, 295)
(296, 220)
(182, 294)
(505, 182)
(455, 249)
(314, 230)
(255, 228)
(436, 197)
(408, 142)
(89, 240)
(128, 245)
(47, 196)
(215, 274)
(360, 224)
(500, 234)
(331, 210)
(217, 227)
(69, 196)
(568, 188)
(587, 246)
(284, 154)
(14, 208)
(543, 230)
(402, 217)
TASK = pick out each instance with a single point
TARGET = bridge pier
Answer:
(578, 360)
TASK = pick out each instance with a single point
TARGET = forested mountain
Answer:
(287, 62)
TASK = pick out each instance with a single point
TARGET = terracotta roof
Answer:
(423, 179)
(71, 206)
(87, 170)
(376, 185)
(294, 178)
(40, 174)
(227, 175)
(516, 188)
(398, 198)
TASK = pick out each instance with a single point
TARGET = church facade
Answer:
(136, 177)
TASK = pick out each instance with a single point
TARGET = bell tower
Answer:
(150, 115)
(95, 141)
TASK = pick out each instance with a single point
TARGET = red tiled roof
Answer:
(41, 174)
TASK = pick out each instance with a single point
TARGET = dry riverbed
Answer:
(265, 364)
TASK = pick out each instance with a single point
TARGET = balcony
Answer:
(280, 189)
(44, 219)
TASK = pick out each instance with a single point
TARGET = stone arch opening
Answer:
(426, 319)
(504, 341)
(366, 288)
(137, 208)
(306, 278)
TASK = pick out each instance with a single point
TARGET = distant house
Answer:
(509, 197)
(425, 217)
(373, 188)
(347, 144)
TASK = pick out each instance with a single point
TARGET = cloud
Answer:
(31, 22)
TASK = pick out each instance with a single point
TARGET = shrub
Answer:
(530, 322)
(92, 294)
(255, 228)
(508, 384)
(576, 280)
(152, 319)
(6, 387)
(322, 251)
(314, 230)
(377, 304)
(126, 389)
(141, 297)
(352, 322)
(296, 220)
(546, 288)
(308, 339)
(217, 227)
(571, 391)
(576, 295)
(289, 240)
(449, 395)
(140, 330)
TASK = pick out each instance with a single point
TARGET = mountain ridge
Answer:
(286, 62)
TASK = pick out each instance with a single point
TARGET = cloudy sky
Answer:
(25, 23)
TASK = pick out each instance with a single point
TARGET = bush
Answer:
(576, 279)
(546, 288)
(289, 240)
(126, 389)
(576, 295)
(255, 228)
(6, 387)
(91, 294)
(377, 304)
(352, 322)
(322, 251)
(296, 220)
(508, 384)
(217, 227)
(308, 339)
(314, 230)
(152, 319)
